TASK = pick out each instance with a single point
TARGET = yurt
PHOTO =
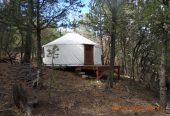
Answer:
(73, 50)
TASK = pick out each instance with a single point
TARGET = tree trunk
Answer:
(113, 43)
(123, 49)
(101, 43)
(28, 46)
(28, 41)
(101, 40)
(1, 42)
(39, 60)
(133, 68)
(22, 46)
(112, 60)
(162, 74)
(162, 83)
(0, 48)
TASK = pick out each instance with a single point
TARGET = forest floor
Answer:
(71, 95)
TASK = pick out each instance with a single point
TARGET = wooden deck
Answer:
(100, 69)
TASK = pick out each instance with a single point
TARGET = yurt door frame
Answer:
(89, 54)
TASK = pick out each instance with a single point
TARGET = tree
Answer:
(148, 42)
(52, 14)
(110, 9)
(54, 55)
(34, 16)
(164, 38)
(103, 18)
(95, 20)
(18, 14)
(28, 41)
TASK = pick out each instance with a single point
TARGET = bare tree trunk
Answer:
(39, 60)
(123, 48)
(102, 56)
(101, 38)
(28, 41)
(101, 43)
(22, 46)
(113, 43)
(124, 61)
(133, 69)
(28, 48)
(112, 60)
(1, 42)
(162, 83)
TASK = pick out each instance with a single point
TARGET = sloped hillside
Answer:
(70, 95)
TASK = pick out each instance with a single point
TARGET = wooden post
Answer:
(97, 73)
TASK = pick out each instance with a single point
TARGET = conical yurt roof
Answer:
(71, 39)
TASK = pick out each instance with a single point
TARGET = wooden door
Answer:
(88, 54)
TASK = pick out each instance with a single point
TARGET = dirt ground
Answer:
(71, 95)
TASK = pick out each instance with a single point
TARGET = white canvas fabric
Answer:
(97, 55)
(71, 39)
(67, 55)
(71, 51)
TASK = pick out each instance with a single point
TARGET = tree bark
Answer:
(22, 46)
(39, 59)
(28, 41)
(38, 29)
(113, 43)
(112, 60)
(1, 42)
(133, 68)
(101, 38)
(162, 83)
(101, 43)
(28, 47)
(123, 49)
